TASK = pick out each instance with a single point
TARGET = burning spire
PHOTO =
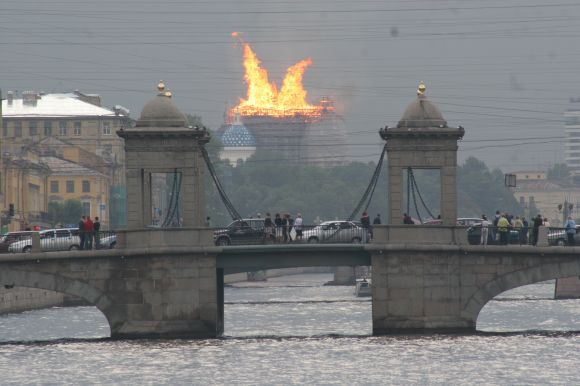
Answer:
(263, 97)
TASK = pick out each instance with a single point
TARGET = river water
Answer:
(293, 330)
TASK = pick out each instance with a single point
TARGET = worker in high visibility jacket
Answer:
(503, 227)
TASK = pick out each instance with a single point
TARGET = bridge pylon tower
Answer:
(422, 140)
(164, 167)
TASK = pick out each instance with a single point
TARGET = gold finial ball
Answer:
(161, 86)
(421, 89)
(168, 94)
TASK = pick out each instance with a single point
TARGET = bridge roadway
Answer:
(178, 291)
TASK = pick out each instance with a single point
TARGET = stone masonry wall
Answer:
(20, 299)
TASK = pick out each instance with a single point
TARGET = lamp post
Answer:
(566, 210)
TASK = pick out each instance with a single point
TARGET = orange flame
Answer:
(263, 97)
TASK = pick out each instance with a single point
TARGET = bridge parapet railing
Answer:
(420, 234)
(60, 239)
(493, 235)
(339, 232)
(164, 237)
(470, 235)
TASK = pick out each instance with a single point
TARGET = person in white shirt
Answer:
(484, 230)
(298, 226)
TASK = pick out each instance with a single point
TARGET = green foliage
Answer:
(194, 120)
(485, 188)
(266, 184)
(559, 172)
(68, 212)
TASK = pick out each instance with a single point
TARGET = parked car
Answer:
(462, 221)
(12, 237)
(558, 236)
(474, 235)
(244, 231)
(469, 221)
(336, 232)
(107, 240)
(50, 240)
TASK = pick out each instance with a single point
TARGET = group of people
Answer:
(282, 225)
(89, 232)
(365, 221)
(503, 223)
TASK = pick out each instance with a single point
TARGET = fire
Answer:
(263, 97)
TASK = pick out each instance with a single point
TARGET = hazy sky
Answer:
(503, 69)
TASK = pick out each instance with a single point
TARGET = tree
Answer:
(559, 172)
(68, 212)
(266, 183)
(485, 188)
(194, 120)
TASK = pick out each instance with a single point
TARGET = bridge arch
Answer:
(529, 275)
(57, 283)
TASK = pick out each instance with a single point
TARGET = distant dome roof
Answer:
(237, 135)
(161, 112)
(422, 113)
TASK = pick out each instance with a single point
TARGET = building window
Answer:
(32, 129)
(70, 186)
(48, 128)
(86, 208)
(62, 128)
(86, 186)
(77, 128)
(106, 128)
(53, 186)
(17, 129)
(4, 128)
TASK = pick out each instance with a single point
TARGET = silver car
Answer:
(107, 240)
(336, 232)
(50, 240)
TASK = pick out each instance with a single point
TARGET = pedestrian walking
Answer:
(484, 230)
(89, 233)
(290, 227)
(285, 227)
(536, 228)
(503, 226)
(96, 234)
(268, 225)
(298, 226)
(407, 219)
(278, 223)
(525, 230)
(366, 224)
(377, 220)
(518, 225)
(82, 233)
(570, 231)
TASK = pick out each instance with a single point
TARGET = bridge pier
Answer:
(177, 297)
(418, 293)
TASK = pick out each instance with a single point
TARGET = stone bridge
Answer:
(178, 291)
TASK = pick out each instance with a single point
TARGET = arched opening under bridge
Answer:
(294, 302)
(529, 308)
(55, 323)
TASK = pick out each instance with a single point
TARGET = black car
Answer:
(474, 236)
(244, 232)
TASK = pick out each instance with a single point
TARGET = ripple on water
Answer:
(304, 339)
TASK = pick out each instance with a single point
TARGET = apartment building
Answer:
(73, 127)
